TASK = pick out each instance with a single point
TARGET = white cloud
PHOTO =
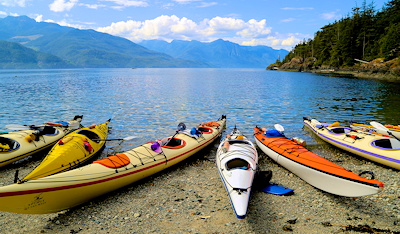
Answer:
(331, 15)
(185, 1)
(12, 3)
(254, 29)
(39, 18)
(291, 41)
(92, 6)
(297, 8)
(207, 4)
(128, 3)
(168, 28)
(288, 20)
(286, 42)
(62, 5)
(168, 5)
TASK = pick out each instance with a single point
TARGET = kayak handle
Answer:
(368, 172)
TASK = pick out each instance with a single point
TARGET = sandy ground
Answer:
(190, 198)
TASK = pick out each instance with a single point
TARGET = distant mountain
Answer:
(51, 45)
(13, 56)
(218, 53)
(85, 48)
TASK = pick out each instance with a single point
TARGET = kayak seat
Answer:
(116, 161)
(237, 163)
(89, 134)
(387, 144)
(7, 144)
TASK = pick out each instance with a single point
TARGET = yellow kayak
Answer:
(72, 151)
(71, 188)
(28, 140)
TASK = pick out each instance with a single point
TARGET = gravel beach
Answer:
(190, 198)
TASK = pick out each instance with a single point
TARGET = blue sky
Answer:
(278, 24)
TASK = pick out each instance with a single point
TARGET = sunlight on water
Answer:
(149, 103)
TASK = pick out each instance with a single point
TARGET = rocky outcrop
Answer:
(376, 69)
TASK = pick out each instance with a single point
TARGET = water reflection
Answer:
(149, 103)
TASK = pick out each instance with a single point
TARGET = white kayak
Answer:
(237, 160)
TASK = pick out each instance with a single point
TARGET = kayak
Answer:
(312, 168)
(28, 140)
(237, 160)
(395, 130)
(377, 148)
(72, 151)
(71, 188)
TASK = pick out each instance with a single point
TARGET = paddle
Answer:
(277, 189)
(262, 183)
(181, 127)
(383, 128)
(279, 128)
(28, 127)
(18, 127)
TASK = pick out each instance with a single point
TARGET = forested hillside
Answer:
(13, 55)
(365, 34)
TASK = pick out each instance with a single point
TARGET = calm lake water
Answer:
(149, 103)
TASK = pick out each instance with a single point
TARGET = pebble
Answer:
(190, 198)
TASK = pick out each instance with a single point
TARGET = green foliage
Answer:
(366, 34)
(13, 55)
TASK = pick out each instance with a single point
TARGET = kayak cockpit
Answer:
(386, 144)
(91, 135)
(49, 131)
(237, 163)
(7, 144)
(205, 130)
(231, 142)
(174, 143)
(340, 130)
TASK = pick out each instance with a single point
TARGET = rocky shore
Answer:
(190, 198)
(377, 69)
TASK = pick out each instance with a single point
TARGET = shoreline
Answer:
(350, 74)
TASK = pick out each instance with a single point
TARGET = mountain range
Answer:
(218, 53)
(25, 43)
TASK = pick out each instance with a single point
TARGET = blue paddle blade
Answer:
(277, 189)
(181, 126)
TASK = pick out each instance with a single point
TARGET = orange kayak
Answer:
(312, 168)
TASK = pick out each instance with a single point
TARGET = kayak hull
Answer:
(314, 169)
(237, 165)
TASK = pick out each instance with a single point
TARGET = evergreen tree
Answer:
(365, 34)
